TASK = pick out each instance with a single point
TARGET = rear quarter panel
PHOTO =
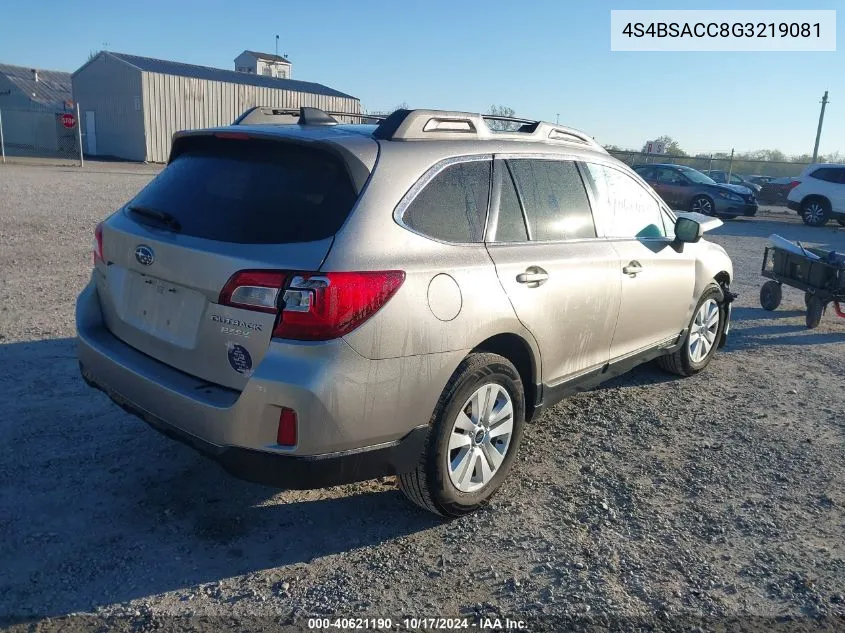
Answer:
(419, 319)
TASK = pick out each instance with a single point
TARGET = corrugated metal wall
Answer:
(173, 103)
(112, 90)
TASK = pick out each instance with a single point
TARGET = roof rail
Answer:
(262, 115)
(415, 125)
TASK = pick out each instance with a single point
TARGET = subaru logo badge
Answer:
(144, 254)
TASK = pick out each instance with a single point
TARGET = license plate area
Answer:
(164, 310)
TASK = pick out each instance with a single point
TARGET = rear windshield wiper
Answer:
(162, 216)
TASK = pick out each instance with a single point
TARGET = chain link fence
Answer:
(38, 132)
(717, 161)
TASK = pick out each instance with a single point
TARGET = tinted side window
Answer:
(669, 176)
(556, 203)
(511, 224)
(453, 206)
(647, 173)
(629, 209)
(830, 174)
(823, 174)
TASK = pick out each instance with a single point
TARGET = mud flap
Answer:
(727, 303)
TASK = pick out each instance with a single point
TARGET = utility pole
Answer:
(557, 121)
(819, 131)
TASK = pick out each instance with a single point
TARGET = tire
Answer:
(686, 361)
(807, 297)
(841, 220)
(815, 310)
(815, 211)
(702, 204)
(770, 295)
(435, 484)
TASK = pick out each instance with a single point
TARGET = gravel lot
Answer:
(716, 501)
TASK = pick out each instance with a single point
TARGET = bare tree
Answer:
(502, 126)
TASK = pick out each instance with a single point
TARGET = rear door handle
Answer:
(533, 276)
(632, 268)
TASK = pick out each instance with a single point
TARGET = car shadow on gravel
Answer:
(789, 227)
(768, 330)
(96, 508)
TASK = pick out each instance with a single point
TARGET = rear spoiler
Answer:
(358, 171)
(707, 222)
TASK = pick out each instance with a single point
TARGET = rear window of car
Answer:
(250, 192)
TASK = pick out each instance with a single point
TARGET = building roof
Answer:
(52, 87)
(272, 58)
(179, 69)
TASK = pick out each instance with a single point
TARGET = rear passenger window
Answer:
(628, 210)
(555, 200)
(511, 224)
(453, 206)
(830, 174)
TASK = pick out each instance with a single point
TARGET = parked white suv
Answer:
(820, 194)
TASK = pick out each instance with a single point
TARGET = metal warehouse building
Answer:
(131, 106)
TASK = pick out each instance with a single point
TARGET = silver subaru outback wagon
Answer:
(313, 303)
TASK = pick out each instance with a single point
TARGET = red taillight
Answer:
(794, 184)
(254, 290)
(286, 435)
(98, 243)
(314, 306)
(323, 306)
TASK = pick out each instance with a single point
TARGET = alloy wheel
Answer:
(813, 213)
(480, 438)
(702, 205)
(704, 329)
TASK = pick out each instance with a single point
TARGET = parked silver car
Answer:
(318, 303)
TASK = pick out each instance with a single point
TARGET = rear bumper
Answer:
(357, 418)
(794, 206)
(289, 471)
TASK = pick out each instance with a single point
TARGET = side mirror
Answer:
(688, 230)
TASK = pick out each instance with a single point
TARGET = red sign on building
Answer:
(67, 120)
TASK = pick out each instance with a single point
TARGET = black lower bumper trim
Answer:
(795, 206)
(301, 472)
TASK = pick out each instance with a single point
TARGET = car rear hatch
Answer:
(227, 203)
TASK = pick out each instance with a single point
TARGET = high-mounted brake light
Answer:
(97, 247)
(240, 136)
(254, 290)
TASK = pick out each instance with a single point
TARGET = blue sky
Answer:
(542, 58)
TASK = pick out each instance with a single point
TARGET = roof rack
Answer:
(261, 115)
(417, 125)
(408, 125)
